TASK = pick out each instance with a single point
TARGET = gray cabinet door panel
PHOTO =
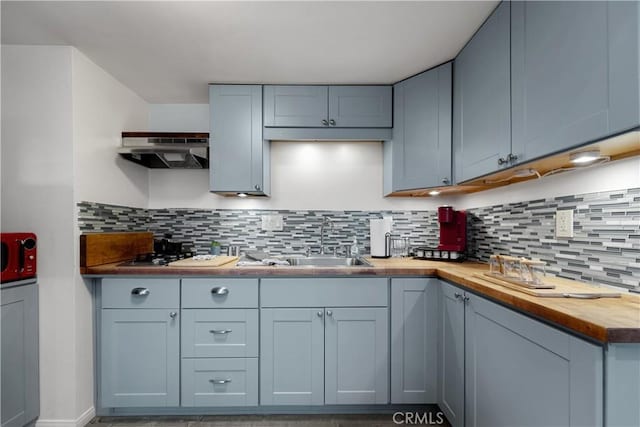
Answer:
(356, 356)
(219, 333)
(295, 106)
(451, 355)
(220, 382)
(235, 140)
(535, 363)
(291, 356)
(482, 99)
(571, 82)
(414, 340)
(139, 358)
(360, 106)
(20, 386)
(421, 146)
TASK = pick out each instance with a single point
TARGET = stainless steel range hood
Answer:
(166, 150)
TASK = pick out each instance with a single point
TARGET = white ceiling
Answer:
(168, 52)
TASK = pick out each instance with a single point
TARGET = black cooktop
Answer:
(155, 259)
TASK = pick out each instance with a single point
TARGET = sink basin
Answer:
(327, 261)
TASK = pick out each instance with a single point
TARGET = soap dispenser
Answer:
(355, 251)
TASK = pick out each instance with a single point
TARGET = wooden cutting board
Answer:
(214, 262)
(561, 290)
(104, 248)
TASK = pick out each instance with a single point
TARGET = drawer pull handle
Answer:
(220, 381)
(220, 290)
(220, 331)
(143, 292)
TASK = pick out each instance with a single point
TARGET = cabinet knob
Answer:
(332, 122)
(220, 331)
(142, 292)
(458, 295)
(257, 187)
(173, 314)
(445, 180)
(325, 122)
(219, 291)
(466, 299)
(319, 313)
(329, 313)
(512, 158)
(502, 161)
(225, 381)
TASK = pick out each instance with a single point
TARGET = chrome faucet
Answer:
(325, 221)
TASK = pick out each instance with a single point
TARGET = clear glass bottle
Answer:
(355, 250)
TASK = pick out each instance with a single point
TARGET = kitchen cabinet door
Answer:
(451, 360)
(239, 155)
(139, 358)
(420, 153)
(292, 356)
(482, 99)
(414, 340)
(295, 106)
(360, 106)
(356, 356)
(574, 73)
(20, 386)
(522, 372)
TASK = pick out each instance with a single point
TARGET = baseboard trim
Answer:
(81, 421)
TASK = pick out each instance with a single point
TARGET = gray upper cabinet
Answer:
(296, 106)
(419, 155)
(574, 73)
(327, 106)
(239, 155)
(482, 99)
(414, 339)
(20, 385)
(360, 106)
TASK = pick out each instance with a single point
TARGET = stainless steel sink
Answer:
(327, 261)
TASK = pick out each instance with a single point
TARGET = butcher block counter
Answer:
(606, 320)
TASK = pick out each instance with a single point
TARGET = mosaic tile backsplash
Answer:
(605, 247)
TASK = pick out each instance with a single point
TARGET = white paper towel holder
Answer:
(387, 247)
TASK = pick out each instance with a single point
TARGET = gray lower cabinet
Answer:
(414, 340)
(574, 73)
(139, 344)
(419, 155)
(334, 353)
(140, 358)
(482, 99)
(451, 354)
(327, 106)
(292, 356)
(220, 382)
(515, 370)
(20, 380)
(239, 155)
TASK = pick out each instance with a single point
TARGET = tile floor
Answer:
(334, 420)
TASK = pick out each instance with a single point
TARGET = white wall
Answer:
(304, 175)
(616, 175)
(179, 117)
(102, 109)
(37, 195)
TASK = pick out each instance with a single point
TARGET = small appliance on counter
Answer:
(380, 235)
(453, 237)
(18, 257)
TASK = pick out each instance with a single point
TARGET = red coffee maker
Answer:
(453, 229)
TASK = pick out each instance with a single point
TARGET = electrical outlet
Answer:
(272, 223)
(564, 223)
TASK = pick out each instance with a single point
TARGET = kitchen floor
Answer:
(331, 420)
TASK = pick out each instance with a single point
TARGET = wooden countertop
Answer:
(607, 320)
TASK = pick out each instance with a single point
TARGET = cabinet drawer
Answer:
(220, 382)
(220, 333)
(140, 293)
(312, 292)
(219, 293)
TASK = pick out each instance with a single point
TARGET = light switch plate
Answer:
(564, 223)
(272, 223)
